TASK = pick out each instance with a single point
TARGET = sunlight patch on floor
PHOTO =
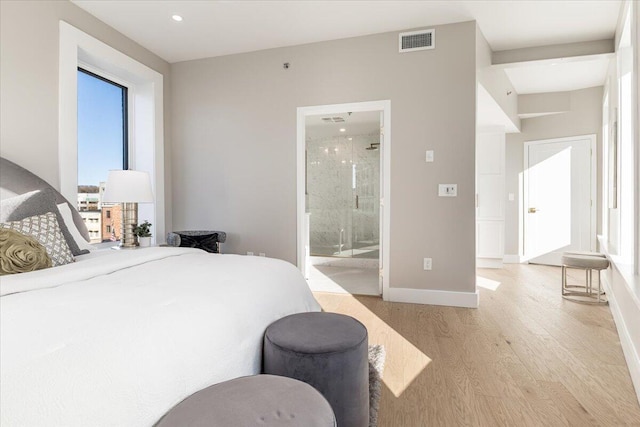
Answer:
(397, 377)
(483, 282)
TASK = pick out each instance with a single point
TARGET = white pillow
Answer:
(67, 216)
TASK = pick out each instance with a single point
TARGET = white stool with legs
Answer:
(587, 261)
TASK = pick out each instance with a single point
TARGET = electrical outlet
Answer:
(448, 190)
(262, 254)
(427, 264)
(250, 253)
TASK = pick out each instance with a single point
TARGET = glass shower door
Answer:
(366, 188)
(329, 196)
(343, 186)
(343, 195)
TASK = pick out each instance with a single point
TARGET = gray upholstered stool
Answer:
(328, 351)
(263, 400)
(587, 263)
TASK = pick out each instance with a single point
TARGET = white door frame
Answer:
(525, 190)
(385, 167)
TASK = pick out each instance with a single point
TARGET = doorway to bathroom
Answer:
(342, 197)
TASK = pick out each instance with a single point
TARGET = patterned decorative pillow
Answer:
(204, 241)
(45, 229)
(20, 253)
(37, 202)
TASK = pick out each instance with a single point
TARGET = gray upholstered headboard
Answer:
(15, 180)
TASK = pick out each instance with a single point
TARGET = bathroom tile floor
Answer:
(344, 280)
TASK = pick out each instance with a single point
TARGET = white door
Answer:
(559, 198)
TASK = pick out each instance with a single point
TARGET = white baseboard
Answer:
(431, 297)
(512, 259)
(628, 349)
(489, 262)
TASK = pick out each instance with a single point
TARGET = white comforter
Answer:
(119, 339)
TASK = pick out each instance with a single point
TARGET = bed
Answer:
(117, 338)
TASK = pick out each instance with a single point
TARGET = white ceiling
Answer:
(215, 28)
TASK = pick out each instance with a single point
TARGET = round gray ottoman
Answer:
(260, 400)
(328, 351)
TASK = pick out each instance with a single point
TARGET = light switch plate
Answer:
(428, 156)
(448, 190)
(512, 197)
(427, 264)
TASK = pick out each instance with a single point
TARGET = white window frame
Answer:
(146, 115)
(628, 186)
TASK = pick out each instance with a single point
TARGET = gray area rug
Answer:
(376, 367)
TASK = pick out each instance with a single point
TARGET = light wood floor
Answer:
(526, 357)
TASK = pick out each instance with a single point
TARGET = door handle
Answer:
(533, 210)
(357, 202)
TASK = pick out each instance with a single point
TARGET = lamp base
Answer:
(129, 222)
(123, 248)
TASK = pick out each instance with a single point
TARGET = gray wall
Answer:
(29, 80)
(583, 118)
(234, 150)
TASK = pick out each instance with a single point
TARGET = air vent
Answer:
(417, 40)
(332, 119)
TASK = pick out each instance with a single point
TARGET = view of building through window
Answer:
(102, 146)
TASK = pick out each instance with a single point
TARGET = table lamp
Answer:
(129, 188)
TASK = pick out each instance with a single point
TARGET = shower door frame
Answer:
(383, 106)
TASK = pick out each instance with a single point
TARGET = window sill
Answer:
(624, 268)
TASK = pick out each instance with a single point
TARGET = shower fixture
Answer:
(373, 146)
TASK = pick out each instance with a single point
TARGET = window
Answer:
(108, 229)
(626, 149)
(102, 136)
(145, 102)
(102, 129)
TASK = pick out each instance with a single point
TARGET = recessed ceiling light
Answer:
(343, 130)
(177, 18)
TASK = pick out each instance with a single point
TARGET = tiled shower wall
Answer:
(334, 166)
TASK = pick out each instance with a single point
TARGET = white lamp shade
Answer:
(125, 186)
